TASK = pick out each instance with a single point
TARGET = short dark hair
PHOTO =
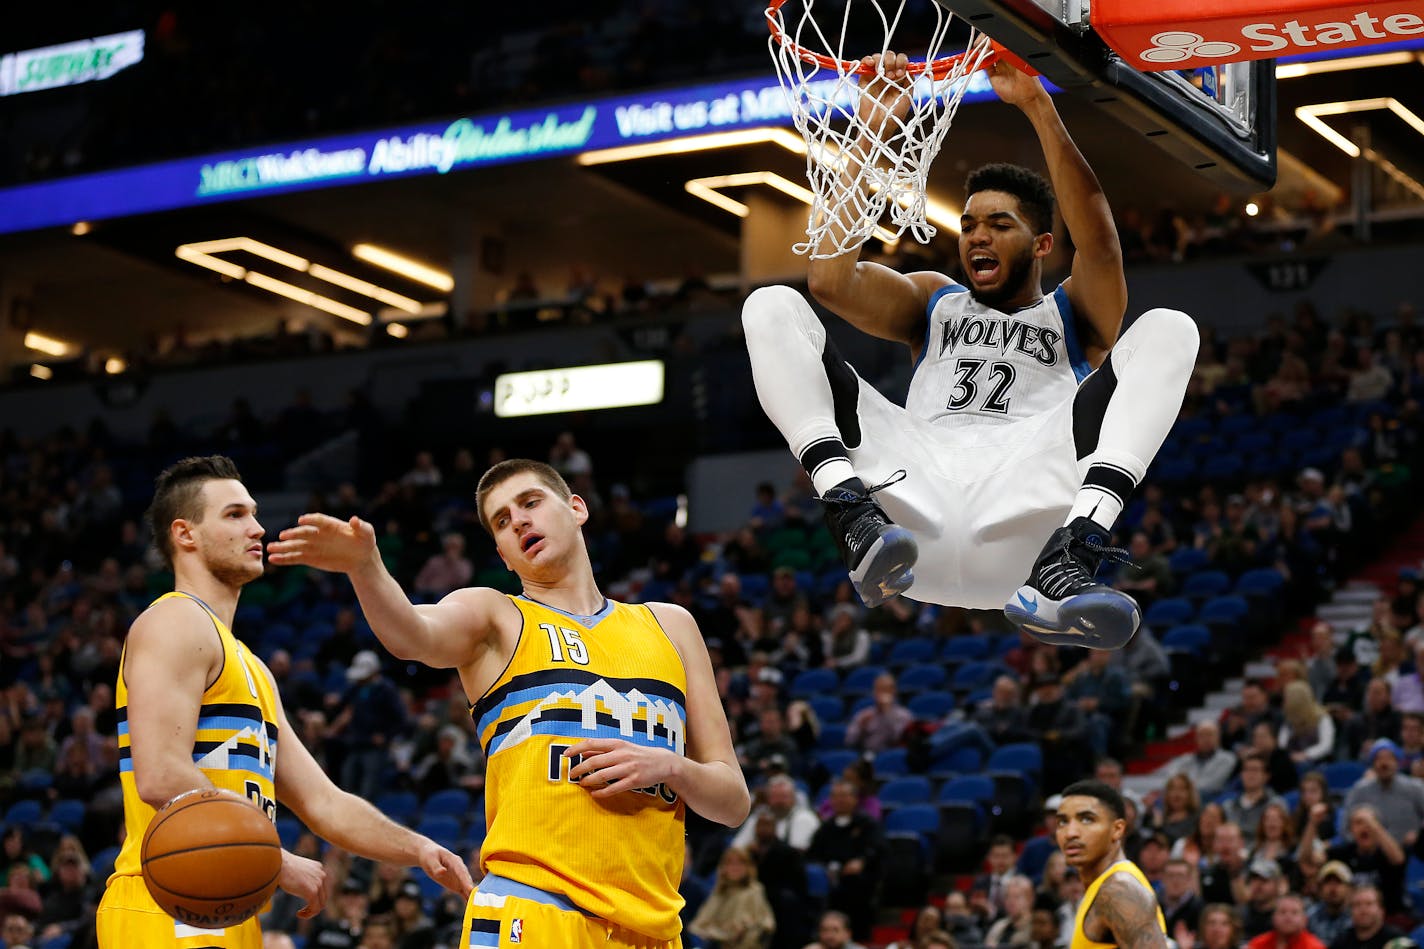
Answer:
(1101, 791)
(175, 495)
(505, 470)
(1257, 757)
(1002, 840)
(1034, 192)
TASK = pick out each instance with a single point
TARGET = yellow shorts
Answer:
(128, 918)
(502, 913)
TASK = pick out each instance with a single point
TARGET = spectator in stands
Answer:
(1411, 744)
(1314, 789)
(1209, 766)
(424, 474)
(736, 914)
(18, 931)
(1180, 896)
(768, 511)
(1219, 928)
(67, 900)
(1368, 929)
(1152, 856)
(1275, 838)
(1177, 814)
(344, 919)
(1308, 733)
(1061, 729)
(881, 725)
(1224, 878)
(1378, 720)
(1283, 775)
(851, 846)
(450, 765)
(1320, 669)
(782, 873)
(371, 714)
(1001, 860)
(1044, 930)
(1329, 913)
(1373, 856)
(1371, 380)
(17, 853)
(795, 823)
(1199, 845)
(1101, 690)
(1149, 576)
(446, 571)
(834, 933)
(772, 749)
(1245, 809)
(1264, 885)
(845, 643)
(1288, 927)
(36, 748)
(1255, 706)
(1015, 926)
(1408, 692)
(1397, 798)
(568, 459)
(21, 893)
(960, 921)
(1002, 715)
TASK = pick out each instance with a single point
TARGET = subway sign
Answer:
(69, 64)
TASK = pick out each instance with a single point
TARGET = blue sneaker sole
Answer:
(886, 570)
(1106, 620)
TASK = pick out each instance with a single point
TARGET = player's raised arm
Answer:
(1097, 287)
(445, 635)
(171, 655)
(871, 297)
(1129, 910)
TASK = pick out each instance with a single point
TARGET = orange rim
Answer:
(937, 68)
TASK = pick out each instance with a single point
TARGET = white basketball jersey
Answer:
(983, 366)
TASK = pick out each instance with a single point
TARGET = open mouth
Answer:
(983, 267)
(527, 542)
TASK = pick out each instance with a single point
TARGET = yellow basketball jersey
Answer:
(235, 745)
(1080, 940)
(614, 674)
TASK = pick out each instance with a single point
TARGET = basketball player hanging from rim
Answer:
(1030, 417)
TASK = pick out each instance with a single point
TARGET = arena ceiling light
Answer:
(696, 143)
(405, 266)
(1311, 116)
(204, 254)
(48, 345)
(1374, 60)
(41, 372)
(578, 388)
(707, 190)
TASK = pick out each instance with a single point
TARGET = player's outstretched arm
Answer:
(350, 822)
(708, 778)
(171, 655)
(445, 635)
(1097, 286)
(874, 299)
(1129, 910)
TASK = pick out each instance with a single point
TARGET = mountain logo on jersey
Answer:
(245, 750)
(601, 708)
(1001, 335)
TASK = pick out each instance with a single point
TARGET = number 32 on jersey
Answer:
(968, 375)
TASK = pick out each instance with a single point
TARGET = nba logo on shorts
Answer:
(516, 930)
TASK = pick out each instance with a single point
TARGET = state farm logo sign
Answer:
(1225, 38)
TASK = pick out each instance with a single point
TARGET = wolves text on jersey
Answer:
(1001, 335)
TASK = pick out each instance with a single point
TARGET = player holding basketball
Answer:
(1119, 907)
(1027, 416)
(600, 721)
(197, 710)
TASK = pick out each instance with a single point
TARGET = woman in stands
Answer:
(1308, 734)
(1275, 840)
(1180, 805)
(1196, 847)
(736, 914)
(1314, 789)
(928, 921)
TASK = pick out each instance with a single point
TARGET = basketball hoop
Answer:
(824, 94)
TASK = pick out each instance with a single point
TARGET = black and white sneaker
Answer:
(1060, 604)
(879, 553)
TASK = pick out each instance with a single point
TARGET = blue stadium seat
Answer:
(1234, 426)
(891, 763)
(964, 759)
(399, 806)
(861, 680)
(1185, 560)
(818, 882)
(755, 586)
(832, 737)
(976, 675)
(967, 787)
(1173, 470)
(443, 830)
(1265, 581)
(918, 649)
(36, 780)
(1187, 431)
(859, 705)
(1224, 467)
(919, 819)
(1299, 439)
(1208, 583)
(1224, 609)
(429, 889)
(1024, 757)
(57, 941)
(1255, 443)
(931, 706)
(1342, 775)
(102, 863)
(452, 802)
(1034, 856)
(815, 682)
(1173, 611)
(68, 814)
(1191, 638)
(965, 649)
(899, 792)
(978, 696)
(919, 678)
(835, 762)
(288, 830)
(829, 709)
(23, 812)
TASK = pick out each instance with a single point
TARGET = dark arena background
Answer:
(368, 250)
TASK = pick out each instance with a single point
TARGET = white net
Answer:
(865, 163)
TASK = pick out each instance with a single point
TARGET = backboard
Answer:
(1219, 119)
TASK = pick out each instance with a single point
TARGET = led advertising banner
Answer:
(578, 388)
(69, 64)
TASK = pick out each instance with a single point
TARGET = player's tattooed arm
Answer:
(1128, 910)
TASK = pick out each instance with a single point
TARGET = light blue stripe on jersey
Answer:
(939, 294)
(503, 886)
(575, 731)
(234, 722)
(479, 940)
(544, 691)
(1076, 357)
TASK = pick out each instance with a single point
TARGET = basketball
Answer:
(211, 858)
